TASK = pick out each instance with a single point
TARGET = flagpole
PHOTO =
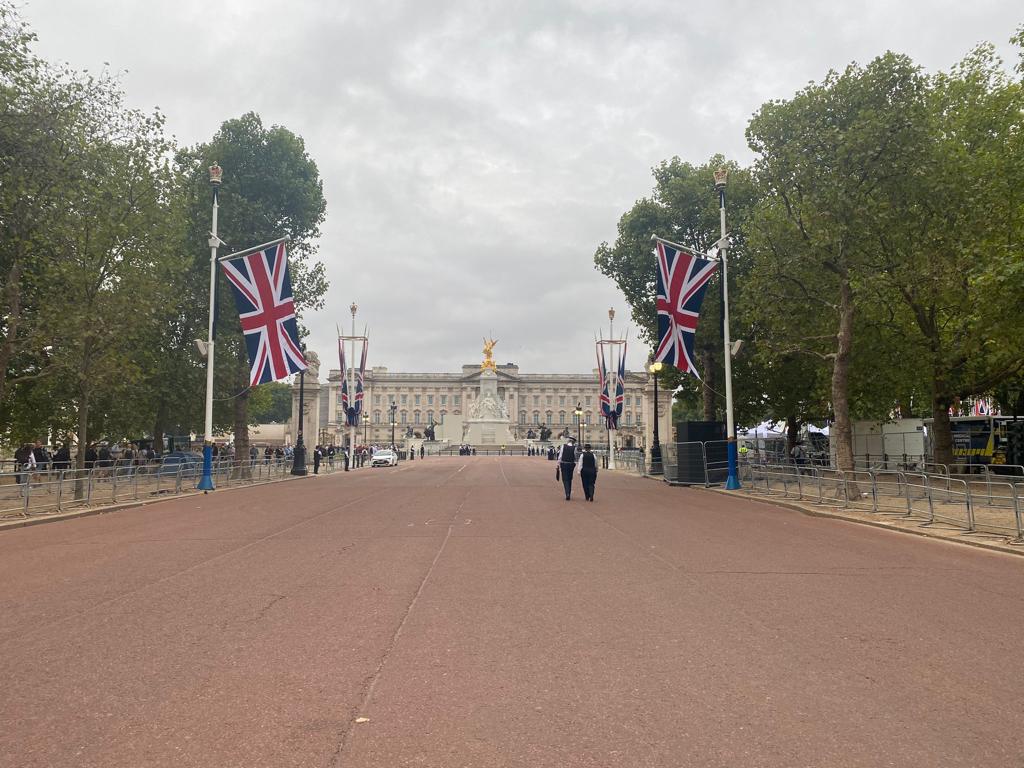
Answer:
(352, 391)
(206, 481)
(613, 391)
(732, 482)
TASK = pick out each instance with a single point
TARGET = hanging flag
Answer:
(620, 384)
(263, 296)
(682, 281)
(602, 383)
(360, 374)
(344, 377)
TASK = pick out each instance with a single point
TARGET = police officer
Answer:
(588, 472)
(567, 464)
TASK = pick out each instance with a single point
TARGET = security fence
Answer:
(50, 491)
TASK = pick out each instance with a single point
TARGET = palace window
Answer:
(549, 400)
(629, 418)
(405, 417)
(561, 400)
(587, 401)
(376, 417)
(430, 417)
(522, 417)
(457, 399)
(430, 399)
(376, 399)
(416, 417)
(416, 399)
(536, 417)
(405, 399)
(549, 417)
(444, 399)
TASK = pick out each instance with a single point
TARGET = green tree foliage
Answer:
(271, 403)
(271, 188)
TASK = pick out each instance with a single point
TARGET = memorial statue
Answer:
(312, 365)
(488, 363)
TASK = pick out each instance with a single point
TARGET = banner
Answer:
(682, 280)
(263, 296)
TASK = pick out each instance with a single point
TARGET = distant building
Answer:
(532, 401)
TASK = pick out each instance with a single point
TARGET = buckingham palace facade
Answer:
(531, 401)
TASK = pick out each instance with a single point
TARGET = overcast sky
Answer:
(474, 154)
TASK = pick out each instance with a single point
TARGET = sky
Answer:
(474, 154)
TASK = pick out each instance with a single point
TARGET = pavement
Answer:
(459, 612)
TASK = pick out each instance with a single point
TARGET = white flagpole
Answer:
(206, 481)
(732, 481)
(612, 390)
(351, 373)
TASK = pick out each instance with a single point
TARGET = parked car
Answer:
(171, 462)
(385, 458)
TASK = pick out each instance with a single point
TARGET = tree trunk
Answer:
(83, 442)
(842, 432)
(707, 363)
(942, 432)
(792, 433)
(158, 428)
(242, 416)
(13, 302)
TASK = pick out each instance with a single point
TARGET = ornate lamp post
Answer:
(732, 482)
(394, 407)
(656, 466)
(206, 481)
(299, 454)
(579, 423)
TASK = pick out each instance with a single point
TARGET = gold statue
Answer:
(488, 363)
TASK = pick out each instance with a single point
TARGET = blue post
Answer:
(732, 482)
(206, 481)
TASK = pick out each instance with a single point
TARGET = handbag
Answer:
(558, 474)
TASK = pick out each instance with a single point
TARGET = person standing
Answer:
(567, 465)
(588, 471)
(317, 455)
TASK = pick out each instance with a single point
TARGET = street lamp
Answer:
(206, 481)
(394, 407)
(299, 454)
(657, 468)
(579, 423)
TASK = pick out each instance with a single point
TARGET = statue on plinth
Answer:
(488, 363)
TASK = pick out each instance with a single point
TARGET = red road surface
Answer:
(473, 617)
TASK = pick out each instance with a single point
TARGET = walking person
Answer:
(588, 472)
(567, 465)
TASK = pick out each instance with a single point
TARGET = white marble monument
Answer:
(487, 421)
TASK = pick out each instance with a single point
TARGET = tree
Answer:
(271, 403)
(684, 208)
(271, 188)
(822, 157)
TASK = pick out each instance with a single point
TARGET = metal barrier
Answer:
(50, 491)
(984, 503)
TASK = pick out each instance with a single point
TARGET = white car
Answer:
(384, 459)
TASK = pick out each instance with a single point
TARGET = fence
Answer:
(51, 491)
(989, 504)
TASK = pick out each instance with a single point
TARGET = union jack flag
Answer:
(682, 281)
(602, 383)
(620, 384)
(359, 381)
(344, 377)
(263, 296)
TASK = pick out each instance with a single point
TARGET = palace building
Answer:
(448, 401)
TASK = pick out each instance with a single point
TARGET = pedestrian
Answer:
(317, 455)
(423, 451)
(24, 466)
(588, 471)
(330, 457)
(62, 458)
(91, 456)
(566, 465)
(345, 458)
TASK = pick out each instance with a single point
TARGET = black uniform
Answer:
(588, 473)
(566, 466)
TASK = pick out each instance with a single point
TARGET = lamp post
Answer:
(732, 482)
(656, 466)
(206, 481)
(351, 374)
(299, 454)
(579, 423)
(394, 407)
